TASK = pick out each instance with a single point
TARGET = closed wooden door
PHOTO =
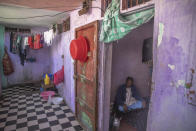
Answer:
(86, 79)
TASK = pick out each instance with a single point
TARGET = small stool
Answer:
(51, 85)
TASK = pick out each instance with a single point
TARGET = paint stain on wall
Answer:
(161, 31)
(180, 83)
(86, 121)
(172, 67)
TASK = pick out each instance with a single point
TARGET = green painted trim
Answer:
(2, 40)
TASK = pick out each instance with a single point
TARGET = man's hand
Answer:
(125, 108)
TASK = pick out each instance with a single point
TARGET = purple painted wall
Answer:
(174, 37)
(30, 71)
(61, 47)
(127, 60)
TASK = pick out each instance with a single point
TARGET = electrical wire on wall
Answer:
(48, 15)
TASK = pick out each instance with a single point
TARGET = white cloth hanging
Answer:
(48, 37)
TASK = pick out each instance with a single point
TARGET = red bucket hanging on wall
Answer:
(79, 49)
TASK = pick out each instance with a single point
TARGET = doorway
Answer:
(132, 56)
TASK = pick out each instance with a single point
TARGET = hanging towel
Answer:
(26, 41)
(14, 43)
(59, 76)
(115, 25)
(38, 41)
(48, 37)
(30, 42)
(41, 40)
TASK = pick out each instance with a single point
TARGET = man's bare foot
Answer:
(144, 104)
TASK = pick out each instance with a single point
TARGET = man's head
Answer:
(129, 81)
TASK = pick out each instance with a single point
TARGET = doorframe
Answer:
(106, 79)
(96, 24)
(105, 70)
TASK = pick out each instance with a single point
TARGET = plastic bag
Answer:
(57, 100)
(49, 100)
(60, 89)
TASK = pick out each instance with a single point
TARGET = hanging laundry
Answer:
(19, 43)
(22, 52)
(26, 41)
(30, 42)
(42, 41)
(7, 64)
(18, 46)
(59, 76)
(14, 45)
(18, 40)
(48, 37)
(37, 41)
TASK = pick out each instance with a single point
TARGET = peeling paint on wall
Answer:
(172, 67)
(161, 31)
(180, 83)
(168, 98)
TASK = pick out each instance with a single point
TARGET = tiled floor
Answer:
(22, 109)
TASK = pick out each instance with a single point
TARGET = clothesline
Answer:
(21, 42)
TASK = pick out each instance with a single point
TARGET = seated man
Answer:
(127, 98)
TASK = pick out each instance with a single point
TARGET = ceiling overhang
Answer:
(42, 13)
(55, 5)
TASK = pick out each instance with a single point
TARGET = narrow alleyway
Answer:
(23, 109)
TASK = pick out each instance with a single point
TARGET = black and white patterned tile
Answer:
(23, 109)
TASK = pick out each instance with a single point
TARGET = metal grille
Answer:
(131, 3)
(125, 3)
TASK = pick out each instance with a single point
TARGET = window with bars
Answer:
(125, 3)
(132, 3)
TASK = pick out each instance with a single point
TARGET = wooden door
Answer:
(86, 79)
